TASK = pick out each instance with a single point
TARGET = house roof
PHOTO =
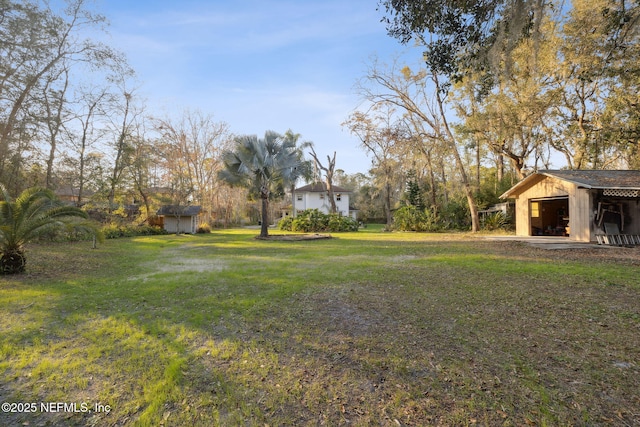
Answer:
(69, 191)
(320, 187)
(591, 179)
(174, 210)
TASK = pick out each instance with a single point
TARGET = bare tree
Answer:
(84, 133)
(193, 149)
(329, 172)
(36, 45)
(410, 92)
(55, 116)
(382, 134)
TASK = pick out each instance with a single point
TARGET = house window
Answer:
(535, 209)
(321, 196)
(338, 197)
(299, 197)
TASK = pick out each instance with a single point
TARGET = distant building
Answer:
(315, 196)
(70, 194)
(180, 219)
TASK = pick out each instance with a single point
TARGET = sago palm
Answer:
(264, 166)
(33, 213)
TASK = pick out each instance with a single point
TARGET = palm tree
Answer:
(304, 170)
(264, 166)
(35, 212)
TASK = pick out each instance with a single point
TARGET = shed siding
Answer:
(188, 224)
(585, 191)
(580, 215)
(546, 188)
(580, 212)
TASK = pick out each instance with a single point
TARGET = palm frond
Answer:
(34, 212)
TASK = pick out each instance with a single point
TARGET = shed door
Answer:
(549, 217)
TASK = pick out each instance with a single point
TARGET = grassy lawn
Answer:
(367, 328)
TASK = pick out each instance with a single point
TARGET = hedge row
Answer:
(114, 231)
(312, 220)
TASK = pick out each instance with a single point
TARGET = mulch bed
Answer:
(294, 237)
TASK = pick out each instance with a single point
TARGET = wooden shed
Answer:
(577, 204)
(180, 219)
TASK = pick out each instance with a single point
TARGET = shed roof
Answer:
(319, 187)
(174, 210)
(591, 179)
(70, 191)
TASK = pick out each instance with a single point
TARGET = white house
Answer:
(315, 196)
(180, 219)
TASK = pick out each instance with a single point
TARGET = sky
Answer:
(257, 65)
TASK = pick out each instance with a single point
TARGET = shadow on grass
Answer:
(365, 329)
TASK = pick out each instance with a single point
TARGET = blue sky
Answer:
(256, 64)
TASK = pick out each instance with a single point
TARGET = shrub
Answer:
(339, 223)
(285, 223)
(65, 235)
(114, 231)
(312, 220)
(309, 221)
(203, 228)
(411, 218)
(455, 215)
(495, 221)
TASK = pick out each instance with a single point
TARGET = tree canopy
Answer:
(459, 35)
(266, 166)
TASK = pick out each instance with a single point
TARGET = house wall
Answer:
(312, 200)
(188, 224)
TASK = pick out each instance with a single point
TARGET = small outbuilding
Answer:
(180, 219)
(577, 204)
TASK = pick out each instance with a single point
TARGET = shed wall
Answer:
(583, 204)
(546, 188)
(581, 215)
(188, 224)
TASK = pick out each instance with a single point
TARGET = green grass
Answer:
(367, 328)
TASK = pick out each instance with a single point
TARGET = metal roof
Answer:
(591, 179)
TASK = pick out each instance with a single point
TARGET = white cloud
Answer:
(257, 64)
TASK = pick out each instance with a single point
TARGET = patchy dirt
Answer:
(415, 337)
(616, 255)
(574, 251)
(179, 261)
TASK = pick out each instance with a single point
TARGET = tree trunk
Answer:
(293, 201)
(12, 262)
(387, 201)
(387, 209)
(329, 171)
(119, 163)
(443, 176)
(473, 208)
(264, 227)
